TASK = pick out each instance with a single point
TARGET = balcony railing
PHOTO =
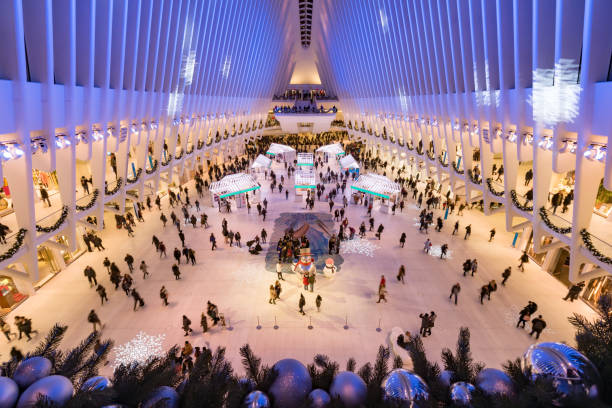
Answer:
(521, 206)
(87, 201)
(596, 246)
(491, 183)
(52, 221)
(555, 222)
(13, 243)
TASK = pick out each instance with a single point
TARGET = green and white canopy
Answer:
(332, 149)
(234, 184)
(349, 162)
(261, 162)
(276, 148)
(377, 185)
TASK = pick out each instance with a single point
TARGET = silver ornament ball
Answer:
(96, 383)
(318, 398)
(9, 392)
(404, 385)
(349, 387)
(56, 388)
(461, 393)
(31, 370)
(164, 393)
(292, 385)
(256, 399)
(493, 381)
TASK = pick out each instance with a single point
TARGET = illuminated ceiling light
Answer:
(512, 136)
(6, 153)
(189, 64)
(572, 147)
(589, 153)
(133, 128)
(549, 144)
(498, 132)
(17, 151)
(59, 143)
(601, 153)
(475, 130)
(456, 126)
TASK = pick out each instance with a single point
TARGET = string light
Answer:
(140, 349)
(358, 246)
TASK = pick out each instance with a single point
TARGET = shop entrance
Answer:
(561, 270)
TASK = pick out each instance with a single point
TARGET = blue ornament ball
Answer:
(318, 398)
(445, 377)
(256, 399)
(9, 392)
(292, 385)
(96, 383)
(164, 393)
(493, 381)
(404, 385)
(461, 393)
(56, 388)
(544, 362)
(31, 370)
(350, 388)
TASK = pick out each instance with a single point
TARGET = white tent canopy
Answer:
(377, 185)
(349, 162)
(276, 148)
(261, 162)
(334, 149)
(234, 184)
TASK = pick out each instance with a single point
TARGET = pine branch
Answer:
(93, 398)
(72, 362)
(429, 372)
(461, 363)
(365, 373)
(397, 362)
(381, 370)
(351, 364)
(48, 347)
(92, 364)
(251, 363)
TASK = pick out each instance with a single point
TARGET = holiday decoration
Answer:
(358, 246)
(518, 205)
(473, 178)
(98, 382)
(318, 399)
(31, 370)
(461, 393)
(305, 265)
(190, 149)
(404, 385)
(55, 388)
(167, 161)
(57, 224)
(292, 385)
(493, 381)
(200, 144)
(91, 203)
(446, 376)
(442, 161)
(544, 215)
(163, 396)
(456, 168)
(135, 178)
(9, 392)
(118, 185)
(431, 155)
(152, 170)
(256, 399)
(234, 184)
(586, 239)
(493, 191)
(376, 185)
(350, 388)
(140, 349)
(180, 155)
(16, 245)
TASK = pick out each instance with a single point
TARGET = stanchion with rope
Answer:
(378, 329)
(310, 326)
(346, 326)
(275, 324)
(258, 327)
(229, 325)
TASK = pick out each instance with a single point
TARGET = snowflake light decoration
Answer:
(436, 251)
(358, 246)
(140, 349)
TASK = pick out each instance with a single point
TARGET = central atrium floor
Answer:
(238, 283)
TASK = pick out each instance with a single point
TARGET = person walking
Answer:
(213, 242)
(484, 291)
(144, 269)
(402, 239)
(278, 289)
(91, 276)
(203, 322)
(176, 272)
(162, 250)
(107, 264)
(138, 300)
(6, 330)
(302, 303)
(492, 288)
(537, 326)
(468, 231)
(524, 317)
(186, 325)
(431, 320)
(474, 266)
(44, 196)
(401, 273)
(264, 235)
(574, 292)
(427, 246)
(177, 255)
(311, 281)
(102, 293)
(272, 295)
(523, 259)
(443, 250)
(455, 289)
(379, 231)
(491, 234)
(318, 301)
(163, 294)
(279, 270)
(467, 265)
(424, 322)
(382, 293)
(505, 275)
(456, 228)
(94, 319)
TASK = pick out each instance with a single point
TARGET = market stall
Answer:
(305, 160)
(261, 163)
(231, 191)
(334, 151)
(377, 189)
(349, 163)
(305, 176)
(281, 152)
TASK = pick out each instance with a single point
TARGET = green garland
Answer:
(168, 160)
(91, 203)
(473, 178)
(153, 168)
(588, 244)
(457, 169)
(200, 144)
(410, 146)
(115, 189)
(549, 224)
(16, 245)
(431, 155)
(180, 156)
(490, 185)
(518, 205)
(135, 178)
(442, 162)
(189, 151)
(57, 224)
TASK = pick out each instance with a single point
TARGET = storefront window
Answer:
(537, 257)
(596, 288)
(603, 203)
(69, 256)
(9, 295)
